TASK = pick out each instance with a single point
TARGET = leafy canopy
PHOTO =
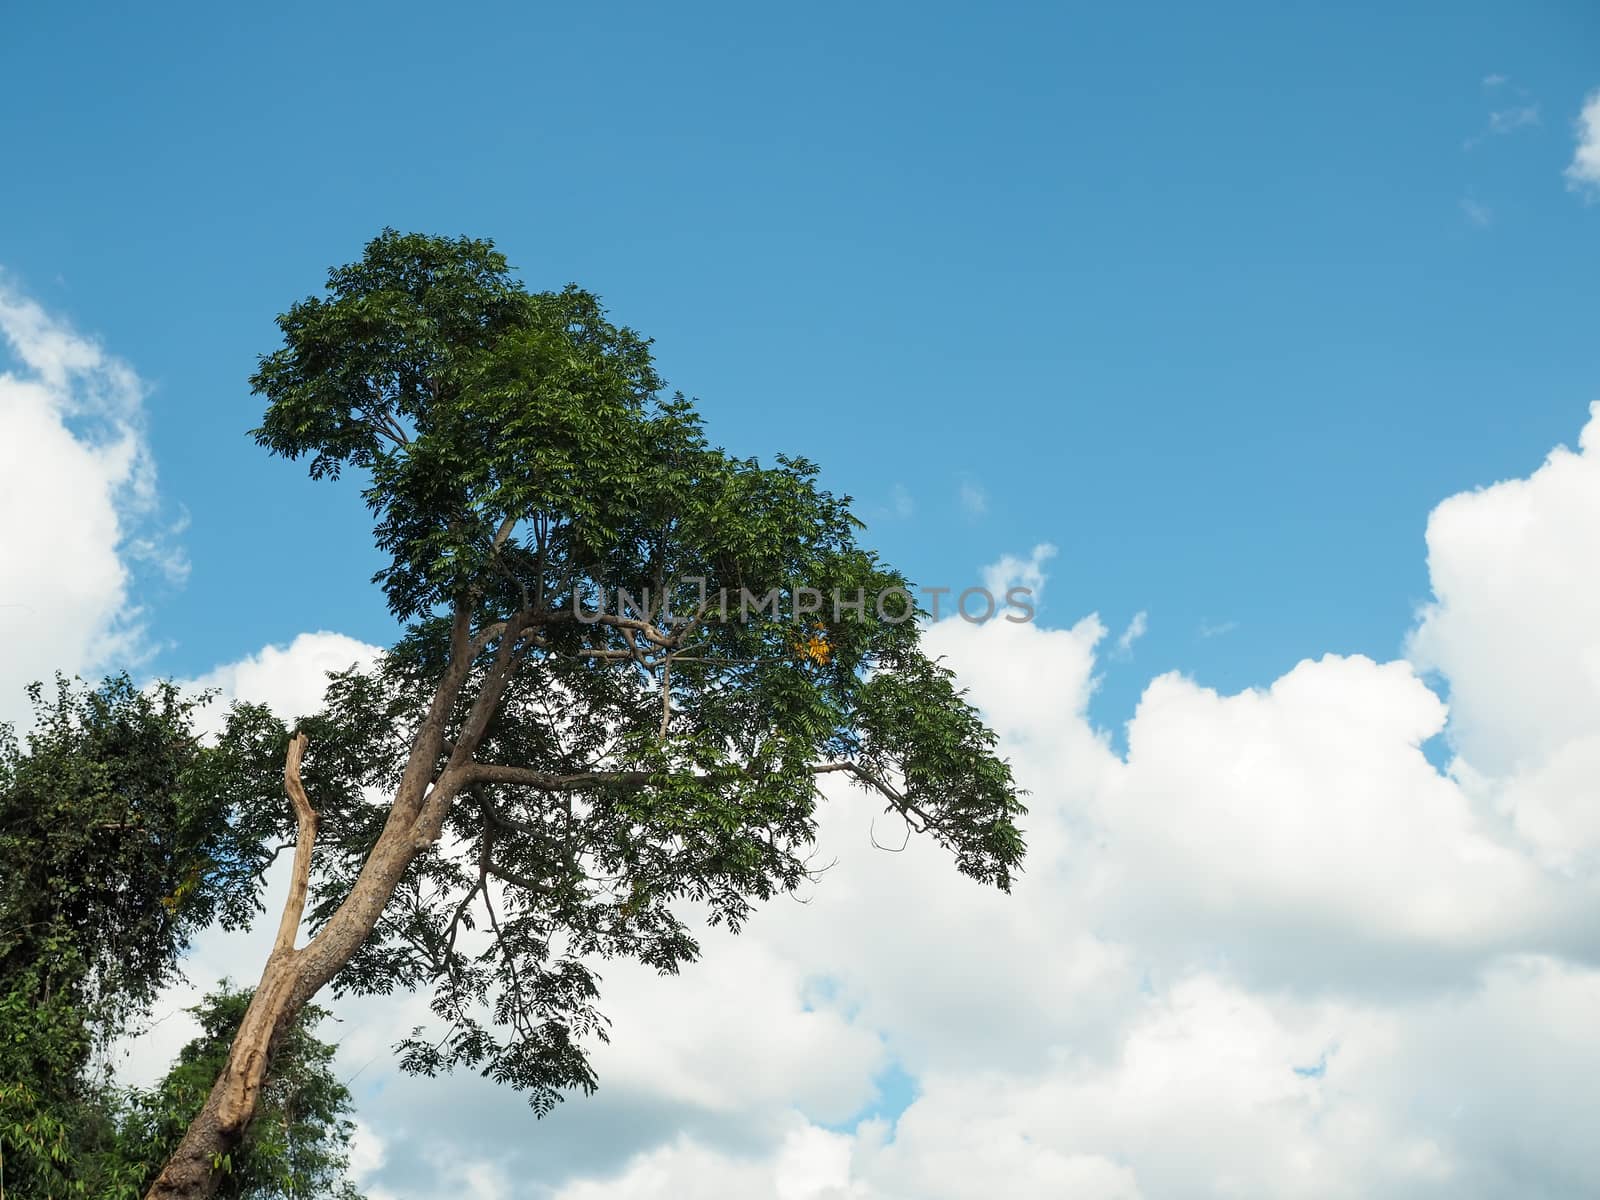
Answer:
(121, 835)
(523, 463)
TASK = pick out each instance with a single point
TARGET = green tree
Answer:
(298, 1144)
(562, 772)
(53, 1109)
(116, 845)
(121, 835)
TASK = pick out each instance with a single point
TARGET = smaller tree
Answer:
(121, 834)
(117, 843)
(55, 1124)
(298, 1145)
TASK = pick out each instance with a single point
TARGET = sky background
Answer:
(1217, 299)
(1223, 302)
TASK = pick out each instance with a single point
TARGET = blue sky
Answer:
(1232, 304)
(1192, 292)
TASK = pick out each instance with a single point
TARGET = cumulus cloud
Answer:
(1217, 1090)
(1307, 814)
(290, 679)
(1583, 173)
(77, 504)
(811, 1164)
(1512, 629)
(1272, 949)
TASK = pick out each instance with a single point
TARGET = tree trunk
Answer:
(196, 1168)
(291, 977)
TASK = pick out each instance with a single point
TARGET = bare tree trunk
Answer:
(196, 1168)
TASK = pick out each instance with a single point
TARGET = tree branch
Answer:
(505, 875)
(487, 634)
(457, 772)
(896, 798)
(547, 781)
(294, 906)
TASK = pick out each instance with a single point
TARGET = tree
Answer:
(568, 758)
(49, 1101)
(121, 834)
(115, 846)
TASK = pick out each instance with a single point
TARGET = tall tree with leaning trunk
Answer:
(627, 659)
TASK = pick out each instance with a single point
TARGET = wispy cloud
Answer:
(1478, 215)
(1011, 571)
(900, 501)
(1507, 119)
(1583, 173)
(1136, 629)
(1209, 629)
(974, 500)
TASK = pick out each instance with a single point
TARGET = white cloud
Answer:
(1512, 624)
(1306, 814)
(1214, 1090)
(1010, 571)
(1512, 628)
(77, 499)
(1136, 629)
(1583, 173)
(367, 1151)
(974, 500)
(941, 1155)
(290, 679)
(810, 1164)
(1477, 214)
(811, 1055)
(1272, 950)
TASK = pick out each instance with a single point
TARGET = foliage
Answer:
(121, 835)
(52, 1104)
(523, 463)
